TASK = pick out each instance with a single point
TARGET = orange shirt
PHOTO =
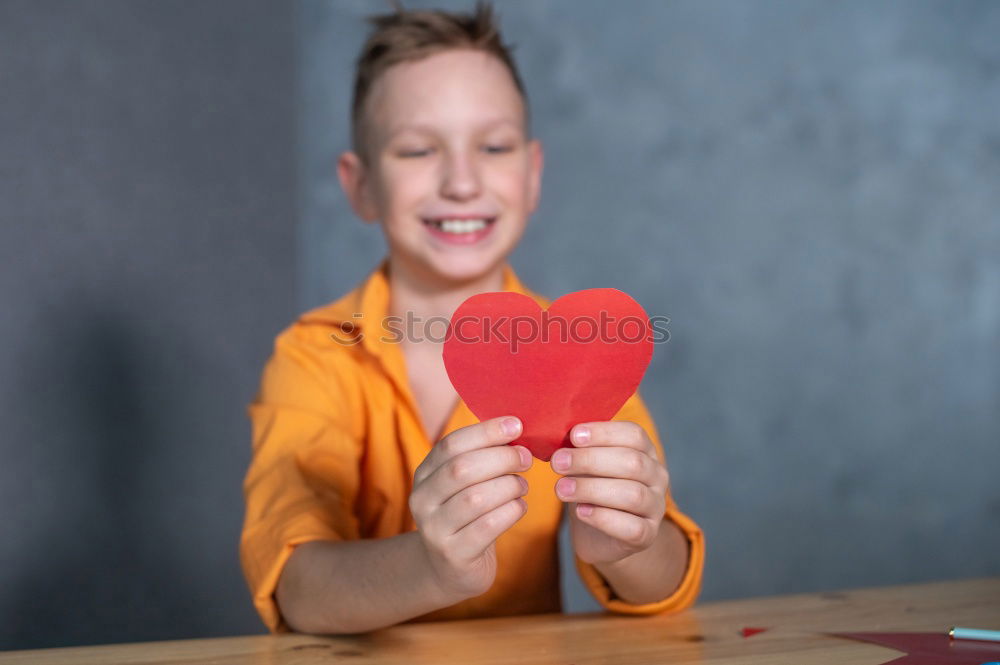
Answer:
(337, 438)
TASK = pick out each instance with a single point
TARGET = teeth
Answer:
(460, 225)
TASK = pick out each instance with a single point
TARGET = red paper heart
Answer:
(578, 361)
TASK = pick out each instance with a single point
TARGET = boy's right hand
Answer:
(465, 494)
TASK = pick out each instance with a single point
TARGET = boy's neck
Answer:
(427, 297)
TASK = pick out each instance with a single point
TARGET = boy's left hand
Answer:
(617, 489)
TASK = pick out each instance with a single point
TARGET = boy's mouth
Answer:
(460, 231)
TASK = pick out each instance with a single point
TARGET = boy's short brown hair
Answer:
(408, 35)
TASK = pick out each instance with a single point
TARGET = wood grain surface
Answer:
(710, 633)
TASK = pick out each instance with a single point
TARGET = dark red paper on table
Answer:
(750, 632)
(931, 648)
(591, 358)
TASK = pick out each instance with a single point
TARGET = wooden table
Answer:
(710, 633)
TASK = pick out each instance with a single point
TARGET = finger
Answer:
(473, 467)
(611, 462)
(635, 533)
(470, 541)
(624, 495)
(612, 433)
(493, 432)
(473, 502)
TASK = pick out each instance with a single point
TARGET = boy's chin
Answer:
(463, 270)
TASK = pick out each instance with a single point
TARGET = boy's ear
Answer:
(354, 179)
(536, 162)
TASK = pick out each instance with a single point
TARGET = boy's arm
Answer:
(303, 478)
(357, 586)
(465, 495)
(302, 484)
(664, 577)
(653, 574)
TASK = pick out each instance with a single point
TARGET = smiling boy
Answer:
(374, 496)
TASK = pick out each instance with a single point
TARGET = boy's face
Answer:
(446, 140)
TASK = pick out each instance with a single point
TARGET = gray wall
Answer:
(809, 191)
(146, 262)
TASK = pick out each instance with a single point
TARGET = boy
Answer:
(374, 495)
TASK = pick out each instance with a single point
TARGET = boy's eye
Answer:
(497, 149)
(416, 152)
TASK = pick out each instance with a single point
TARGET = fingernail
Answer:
(581, 434)
(510, 426)
(524, 483)
(525, 456)
(584, 509)
(566, 486)
(560, 460)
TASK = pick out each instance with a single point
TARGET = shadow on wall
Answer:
(91, 568)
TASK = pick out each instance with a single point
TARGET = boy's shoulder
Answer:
(339, 323)
(345, 315)
(314, 365)
(328, 328)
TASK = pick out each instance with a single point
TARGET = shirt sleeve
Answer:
(686, 593)
(303, 476)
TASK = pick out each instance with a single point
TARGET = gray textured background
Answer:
(808, 190)
(147, 259)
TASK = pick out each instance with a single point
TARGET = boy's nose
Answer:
(460, 180)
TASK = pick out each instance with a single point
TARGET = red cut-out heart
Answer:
(597, 347)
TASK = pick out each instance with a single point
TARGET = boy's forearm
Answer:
(653, 574)
(358, 586)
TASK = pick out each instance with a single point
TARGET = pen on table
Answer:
(974, 634)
